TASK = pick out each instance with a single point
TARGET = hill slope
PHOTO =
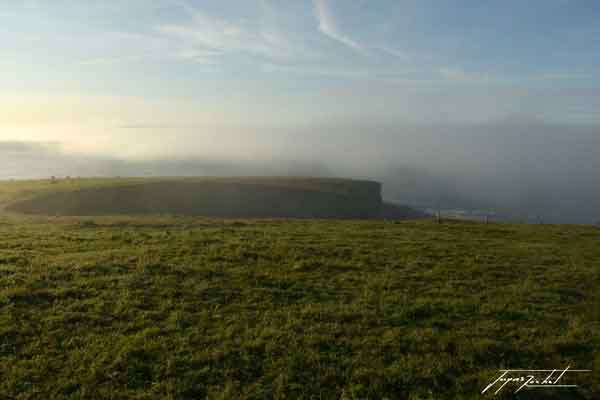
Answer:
(226, 197)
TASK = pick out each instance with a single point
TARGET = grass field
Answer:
(11, 191)
(241, 197)
(194, 308)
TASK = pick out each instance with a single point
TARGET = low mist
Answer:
(515, 169)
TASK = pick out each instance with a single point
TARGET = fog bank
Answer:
(520, 169)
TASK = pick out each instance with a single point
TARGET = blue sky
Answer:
(138, 78)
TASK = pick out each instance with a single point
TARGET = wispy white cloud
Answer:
(394, 52)
(268, 37)
(329, 27)
(207, 36)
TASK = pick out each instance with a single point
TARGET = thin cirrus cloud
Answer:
(208, 39)
(328, 26)
(205, 37)
(394, 52)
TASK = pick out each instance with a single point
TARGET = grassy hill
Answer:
(215, 197)
(184, 307)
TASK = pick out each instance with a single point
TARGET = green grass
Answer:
(11, 191)
(191, 308)
(236, 197)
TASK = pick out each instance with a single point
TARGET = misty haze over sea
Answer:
(522, 171)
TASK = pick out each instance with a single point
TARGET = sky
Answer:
(355, 86)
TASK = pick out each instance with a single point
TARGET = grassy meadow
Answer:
(167, 307)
